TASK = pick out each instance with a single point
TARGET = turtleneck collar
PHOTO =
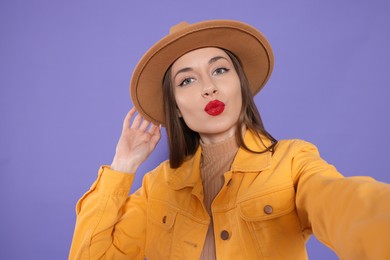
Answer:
(214, 152)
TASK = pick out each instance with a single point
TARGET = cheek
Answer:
(236, 93)
(237, 106)
(184, 107)
(188, 108)
(180, 101)
(185, 100)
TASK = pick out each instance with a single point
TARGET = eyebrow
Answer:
(211, 61)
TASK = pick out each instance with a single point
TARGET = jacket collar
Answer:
(188, 174)
(246, 161)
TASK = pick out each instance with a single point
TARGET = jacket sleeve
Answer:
(349, 215)
(110, 224)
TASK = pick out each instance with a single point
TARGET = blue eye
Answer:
(186, 81)
(220, 71)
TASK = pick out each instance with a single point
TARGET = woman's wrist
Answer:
(123, 166)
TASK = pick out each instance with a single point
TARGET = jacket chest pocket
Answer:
(160, 230)
(268, 206)
(271, 220)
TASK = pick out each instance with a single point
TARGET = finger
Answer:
(152, 129)
(129, 115)
(137, 121)
(156, 130)
(144, 125)
(156, 135)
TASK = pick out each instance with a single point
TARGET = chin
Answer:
(212, 125)
(217, 128)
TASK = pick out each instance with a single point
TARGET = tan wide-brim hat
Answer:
(247, 43)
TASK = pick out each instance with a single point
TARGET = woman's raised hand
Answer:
(136, 143)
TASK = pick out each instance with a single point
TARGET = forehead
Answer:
(199, 56)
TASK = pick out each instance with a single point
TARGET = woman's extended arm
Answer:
(350, 215)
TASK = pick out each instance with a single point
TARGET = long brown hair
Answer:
(183, 142)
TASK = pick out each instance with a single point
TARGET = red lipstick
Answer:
(214, 108)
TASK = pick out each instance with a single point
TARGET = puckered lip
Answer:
(214, 107)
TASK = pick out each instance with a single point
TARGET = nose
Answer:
(209, 90)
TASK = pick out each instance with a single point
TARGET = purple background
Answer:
(64, 74)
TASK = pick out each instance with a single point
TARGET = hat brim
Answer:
(248, 44)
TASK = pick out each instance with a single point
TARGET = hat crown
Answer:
(178, 27)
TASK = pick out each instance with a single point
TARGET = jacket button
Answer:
(164, 219)
(224, 235)
(268, 209)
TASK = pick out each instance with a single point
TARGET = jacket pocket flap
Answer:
(162, 214)
(268, 206)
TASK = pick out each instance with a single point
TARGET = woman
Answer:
(229, 189)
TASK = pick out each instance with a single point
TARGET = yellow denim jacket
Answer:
(268, 207)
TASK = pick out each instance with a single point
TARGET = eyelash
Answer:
(185, 82)
(221, 68)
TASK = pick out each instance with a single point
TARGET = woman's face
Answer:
(208, 93)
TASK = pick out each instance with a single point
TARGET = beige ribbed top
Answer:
(216, 160)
